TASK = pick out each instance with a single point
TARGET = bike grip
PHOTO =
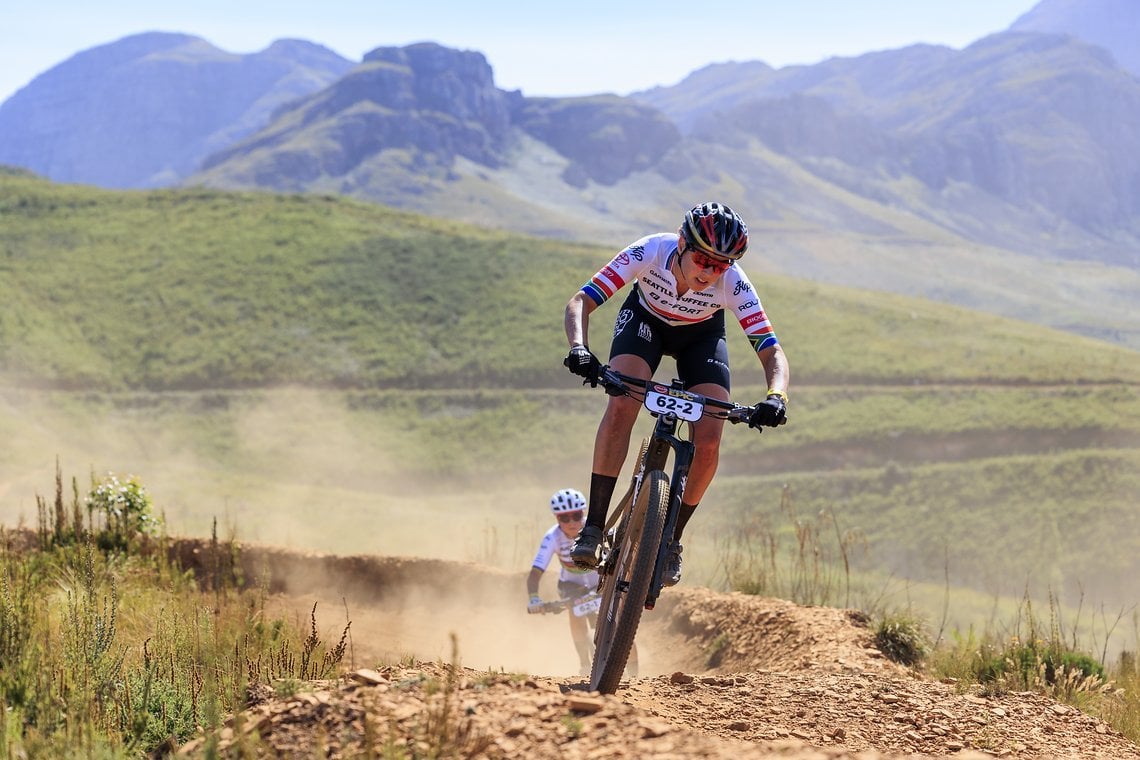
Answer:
(610, 381)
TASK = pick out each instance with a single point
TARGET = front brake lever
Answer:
(736, 416)
(611, 382)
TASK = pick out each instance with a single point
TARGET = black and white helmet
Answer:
(567, 500)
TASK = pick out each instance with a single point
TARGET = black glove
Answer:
(584, 364)
(770, 412)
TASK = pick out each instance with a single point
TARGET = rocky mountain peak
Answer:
(1111, 24)
(456, 82)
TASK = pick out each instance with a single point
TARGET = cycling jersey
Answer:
(554, 543)
(647, 264)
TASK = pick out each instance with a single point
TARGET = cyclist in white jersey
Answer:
(568, 505)
(682, 285)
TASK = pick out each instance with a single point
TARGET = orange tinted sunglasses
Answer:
(704, 261)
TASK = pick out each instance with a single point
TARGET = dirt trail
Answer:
(723, 675)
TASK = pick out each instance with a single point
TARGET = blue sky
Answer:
(538, 46)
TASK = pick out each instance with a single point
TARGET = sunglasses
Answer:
(569, 517)
(704, 261)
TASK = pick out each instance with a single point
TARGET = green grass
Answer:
(196, 289)
(1049, 651)
(111, 649)
(1066, 519)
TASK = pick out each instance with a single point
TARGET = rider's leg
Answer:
(683, 516)
(706, 441)
(611, 444)
(706, 455)
(702, 363)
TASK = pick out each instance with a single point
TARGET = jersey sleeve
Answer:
(622, 269)
(546, 550)
(745, 304)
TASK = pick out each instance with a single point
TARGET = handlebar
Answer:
(618, 384)
(559, 605)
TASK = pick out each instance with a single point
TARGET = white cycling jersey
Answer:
(647, 261)
(554, 543)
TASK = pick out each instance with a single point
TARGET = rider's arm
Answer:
(744, 302)
(532, 581)
(577, 319)
(775, 369)
(622, 269)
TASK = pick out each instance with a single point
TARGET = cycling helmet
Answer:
(715, 229)
(567, 500)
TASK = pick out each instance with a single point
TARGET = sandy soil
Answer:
(445, 660)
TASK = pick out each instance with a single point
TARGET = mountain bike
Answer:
(636, 539)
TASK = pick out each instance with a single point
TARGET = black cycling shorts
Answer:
(700, 349)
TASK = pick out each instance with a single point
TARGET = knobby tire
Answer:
(621, 609)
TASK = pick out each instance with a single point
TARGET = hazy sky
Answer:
(542, 47)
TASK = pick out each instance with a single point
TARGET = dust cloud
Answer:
(289, 467)
(299, 469)
(402, 608)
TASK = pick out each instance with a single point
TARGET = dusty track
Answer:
(723, 675)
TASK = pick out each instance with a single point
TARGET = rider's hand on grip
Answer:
(769, 413)
(534, 606)
(583, 363)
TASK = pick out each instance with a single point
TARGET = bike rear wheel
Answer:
(627, 583)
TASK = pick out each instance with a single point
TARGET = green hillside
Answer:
(349, 378)
(193, 290)
(203, 289)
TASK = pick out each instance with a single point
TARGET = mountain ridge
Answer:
(925, 170)
(141, 112)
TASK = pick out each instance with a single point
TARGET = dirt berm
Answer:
(721, 675)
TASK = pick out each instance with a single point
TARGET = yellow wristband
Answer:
(783, 396)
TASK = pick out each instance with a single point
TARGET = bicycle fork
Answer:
(665, 434)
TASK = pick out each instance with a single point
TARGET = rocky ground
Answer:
(731, 676)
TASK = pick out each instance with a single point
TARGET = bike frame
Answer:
(664, 439)
(639, 531)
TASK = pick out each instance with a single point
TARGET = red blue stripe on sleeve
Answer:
(603, 285)
(759, 331)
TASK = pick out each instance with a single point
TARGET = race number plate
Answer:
(585, 608)
(663, 400)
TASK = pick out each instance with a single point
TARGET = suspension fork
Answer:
(665, 434)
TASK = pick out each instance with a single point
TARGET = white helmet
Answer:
(567, 500)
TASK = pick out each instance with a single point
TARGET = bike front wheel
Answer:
(627, 584)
